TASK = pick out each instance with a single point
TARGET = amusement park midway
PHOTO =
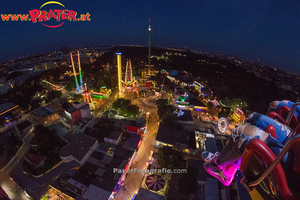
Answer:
(133, 181)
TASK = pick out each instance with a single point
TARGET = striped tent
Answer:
(155, 182)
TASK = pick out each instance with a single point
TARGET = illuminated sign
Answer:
(42, 16)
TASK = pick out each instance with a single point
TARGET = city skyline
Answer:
(267, 31)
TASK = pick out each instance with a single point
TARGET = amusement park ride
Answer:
(80, 89)
(130, 84)
(272, 171)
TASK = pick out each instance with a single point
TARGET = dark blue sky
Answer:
(268, 30)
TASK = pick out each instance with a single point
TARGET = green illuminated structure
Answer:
(76, 81)
(80, 76)
(149, 56)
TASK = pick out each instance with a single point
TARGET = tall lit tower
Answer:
(80, 76)
(76, 81)
(128, 72)
(129, 79)
(149, 56)
(119, 73)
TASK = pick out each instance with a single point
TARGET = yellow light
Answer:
(9, 110)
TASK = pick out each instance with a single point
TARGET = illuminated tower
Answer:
(76, 81)
(128, 73)
(80, 76)
(149, 56)
(119, 73)
(87, 97)
(130, 84)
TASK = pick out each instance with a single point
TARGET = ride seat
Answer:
(271, 129)
(284, 180)
(282, 114)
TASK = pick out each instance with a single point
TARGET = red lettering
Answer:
(72, 15)
(14, 17)
(34, 14)
(5, 17)
(24, 17)
(64, 15)
(58, 13)
(82, 17)
(42, 16)
(51, 14)
(88, 16)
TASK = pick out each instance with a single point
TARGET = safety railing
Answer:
(276, 161)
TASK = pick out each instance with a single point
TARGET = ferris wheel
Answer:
(223, 124)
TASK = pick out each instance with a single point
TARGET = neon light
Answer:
(223, 124)
(98, 96)
(80, 76)
(77, 86)
(119, 53)
(53, 26)
(9, 110)
(54, 2)
(139, 144)
(119, 74)
(86, 94)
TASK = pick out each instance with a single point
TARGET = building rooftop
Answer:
(95, 193)
(79, 105)
(114, 135)
(187, 116)
(75, 186)
(6, 106)
(61, 131)
(71, 109)
(168, 134)
(78, 147)
(23, 125)
(132, 142)
(211, 145)
(144, 194)
(43, 112)
(122, 123)
(196, 102)
(198, 164)
(104, 147)
(34, 157)
(82, 122)
(122, 153)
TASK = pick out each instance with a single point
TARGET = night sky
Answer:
(268, 30)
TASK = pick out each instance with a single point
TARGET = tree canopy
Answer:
(165, 112)
(170, 158)
(125, 107)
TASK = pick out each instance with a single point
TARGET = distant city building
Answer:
(65, 50)
(4, 87)
(46, 65)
